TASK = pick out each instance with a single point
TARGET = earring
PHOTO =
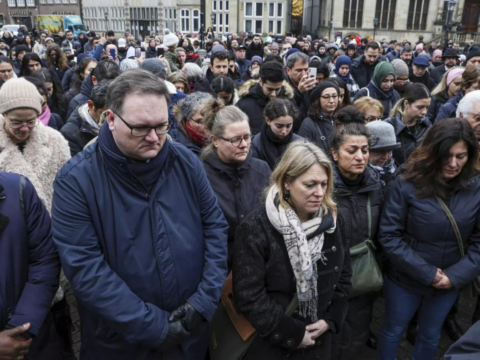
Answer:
(286, 195)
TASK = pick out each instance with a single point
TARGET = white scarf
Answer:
(303, 253)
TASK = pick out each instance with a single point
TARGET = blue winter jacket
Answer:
(418, 238)
(133, 257)
(449, 109)
(29, 263)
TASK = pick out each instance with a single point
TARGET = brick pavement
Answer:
(405, 350)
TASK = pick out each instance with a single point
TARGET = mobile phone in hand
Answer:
(112, 53)
(137, 52)
(312, 73)
(160, 51)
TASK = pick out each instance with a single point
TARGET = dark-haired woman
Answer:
(409, 120)
(81, 71)
(342, 71)
(358, 191)
(80, 43)
(56, 98)
(30, 63)
(47, 118)
(381, 87)
(236, 177)
(318, 126)
(56, 60)
(426, 269)
(270, 144)
(344, 97)
(6, 69)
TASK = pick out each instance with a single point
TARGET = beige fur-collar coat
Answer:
(45, 152)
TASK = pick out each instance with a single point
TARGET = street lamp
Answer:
(106, 19)
(451, 7)
(375, 25)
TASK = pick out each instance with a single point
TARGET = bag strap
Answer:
(369, 216)
(454, 225)
(292, 306)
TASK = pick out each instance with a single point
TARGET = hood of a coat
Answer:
(248, 89)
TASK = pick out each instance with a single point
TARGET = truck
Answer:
(57, 23)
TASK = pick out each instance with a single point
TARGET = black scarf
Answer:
(146, 173)
(272, 146)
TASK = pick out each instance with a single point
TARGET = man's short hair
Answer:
(296, 56)
(138, 81)
(372, 45)
(68, 31)
(98, 95)
(406, 49)
(220, 55)
(272, 71)
(106, 70)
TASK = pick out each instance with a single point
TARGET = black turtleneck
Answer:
(355, 184)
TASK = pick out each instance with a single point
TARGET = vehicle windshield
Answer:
(79, 27)
(10, 27)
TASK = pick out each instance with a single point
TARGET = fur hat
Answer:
(169, 39)
(19, 93)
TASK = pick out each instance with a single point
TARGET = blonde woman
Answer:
(447, 88)
(293, 245)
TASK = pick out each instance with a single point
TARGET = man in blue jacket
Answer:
(29, 268)
(140, 233)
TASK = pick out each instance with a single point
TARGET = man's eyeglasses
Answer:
(237, 140)
(140, 131)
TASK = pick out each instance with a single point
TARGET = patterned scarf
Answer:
(304, 242)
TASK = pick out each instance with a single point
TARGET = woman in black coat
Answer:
(276, 134)
(356, 184)
(426, 268)
(318, 126)
(237, 179)
(275, 259)
(409, 120)
(449, 86)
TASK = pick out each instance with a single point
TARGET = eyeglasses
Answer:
(197, 121)
(237, 140)
(140, 131)
(19, 124)
(328, 97)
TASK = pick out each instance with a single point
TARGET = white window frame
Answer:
(222, 15)
(21, 3)
(12, 3)
(184, 19)
(245, 24)
(43, 1)
(275, 19)
(58, 1)
(245, 9)
(31, 3)
(195, 30)
(73, 1)
(256, 3)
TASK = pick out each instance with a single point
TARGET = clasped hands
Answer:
(312, 332)
(441, 280)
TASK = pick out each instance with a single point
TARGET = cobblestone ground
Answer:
(405, 350)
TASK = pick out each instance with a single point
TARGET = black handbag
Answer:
(472, 290)
(366, 274)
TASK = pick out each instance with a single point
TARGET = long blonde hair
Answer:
(442, 85)
(300, 156)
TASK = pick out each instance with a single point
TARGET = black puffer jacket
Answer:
(264, 285)
(82, 98)
(78, 132)
(352, 205)
(253, 101)
(437, 102)
(410, 140)
(318, 131)
(238, 188)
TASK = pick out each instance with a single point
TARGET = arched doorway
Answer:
(471, 15)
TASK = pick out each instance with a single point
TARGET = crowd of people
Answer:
(310, 177)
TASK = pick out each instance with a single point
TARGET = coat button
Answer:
(290, 343)
(334, 287)
(334, 248)
(336, 269)
(277, 337)
(241, 216)
(296, 312)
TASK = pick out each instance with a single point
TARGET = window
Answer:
(65, 1)
(12, 3)
(353, 13)
(196, 20)
(248, 10)
(214, 7)
(417, 14)
(258, 26)
(385, 13)
(30, 2)
(185, 20)
(248, 25)
(271, 10)
(43, 2)
(275, 14)
(20, 2)
(259, 9)
(220, 24)
(279, 10)
(227, 6)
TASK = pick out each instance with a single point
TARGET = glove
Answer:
(176, 334)
(187, 315)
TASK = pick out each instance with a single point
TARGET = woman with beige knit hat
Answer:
(36, 151)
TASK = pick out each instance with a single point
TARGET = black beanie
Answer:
(351, 47)
(317, 92)
(473, 53)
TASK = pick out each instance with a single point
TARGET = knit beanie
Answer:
(437, 53)
(473, 53)
(343, 60)
(218, 48)
(290, 52)
(401, 68)
(382, 70)
(419, 47)
(453, 74)
(128, 64)
(19, 93)
(155, 66)
(169, 39)
(80, 57)
(258, 59)
(317, 91)
(351, 47)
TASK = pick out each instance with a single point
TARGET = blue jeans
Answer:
(400, 306)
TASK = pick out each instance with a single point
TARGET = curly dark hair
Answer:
(424, 167)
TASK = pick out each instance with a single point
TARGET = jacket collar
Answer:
(232, 170)
(399, 126)
(371, 182)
